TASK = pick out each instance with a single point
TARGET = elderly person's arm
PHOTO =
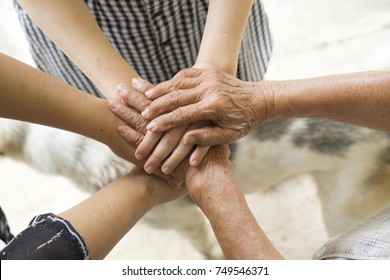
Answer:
(236, 107)
(214, 188)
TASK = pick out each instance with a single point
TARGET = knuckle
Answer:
(129, 96)
(138, 139)
(137, 100)
(144, 102)
(140, 123)
(179, 74)
(207, 111)
(177, 115)
(175, 83)
(127, 116)
(133, 137)
(177, 99)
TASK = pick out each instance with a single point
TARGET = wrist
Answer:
(107, 130)
(116, 72)
(221, 65)
(265, 95)
(294, 99)
(212, 180)
(145, 186)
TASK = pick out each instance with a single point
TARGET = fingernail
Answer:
(122, 130)
(137, 83)
(151, 125)
(122, 90)
(139, 156)
(149, 169)
(166, 170)
(194, 163)
(149, 92)
(145, 113)
(115, 105)
(189, 140)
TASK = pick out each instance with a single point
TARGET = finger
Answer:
(198, 155)
(177, 156)
(210, 136)
(132, 97)
(183, 79)
(164, 148)
(181, 116)
(147, 145)
(182, 151)
(141, 85)
(171, 101)
(169, 86)
(129, 116)
(131, 136)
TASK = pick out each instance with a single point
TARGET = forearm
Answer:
(235, 227)
(224, 29)
(34, 96)
(103, 219)
(358, 98)
(73, 29)
(214, 188)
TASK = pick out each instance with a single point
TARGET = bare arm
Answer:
(74, 30)
(357, 98)
(224, 29)
(213, 186)
(34, 96)
(104, 218)
(236, 107)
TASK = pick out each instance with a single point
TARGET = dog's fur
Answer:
(350, 166)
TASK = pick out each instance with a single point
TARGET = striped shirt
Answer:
(157, 38)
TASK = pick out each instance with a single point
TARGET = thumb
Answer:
(210, 136)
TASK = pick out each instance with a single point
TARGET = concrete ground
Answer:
(311, 38)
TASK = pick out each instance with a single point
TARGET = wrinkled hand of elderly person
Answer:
(165, 149)
(234, 107)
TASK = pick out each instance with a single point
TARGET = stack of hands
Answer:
(183, 117)
(180, 126)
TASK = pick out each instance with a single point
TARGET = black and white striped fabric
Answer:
(157, 38)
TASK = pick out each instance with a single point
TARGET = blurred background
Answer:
(311, 38)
